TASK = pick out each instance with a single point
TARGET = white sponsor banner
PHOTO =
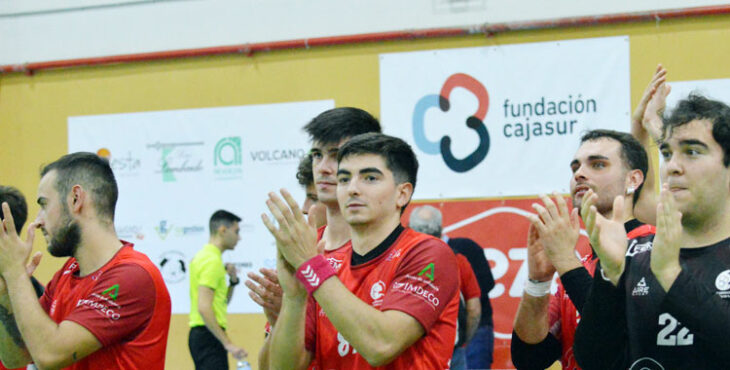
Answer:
(718, 89)
(505, 120)
(175, 168)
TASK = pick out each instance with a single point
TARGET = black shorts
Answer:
(207, 351)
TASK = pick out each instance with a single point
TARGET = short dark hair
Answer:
(221, 218)
(698, 107)
(91, 172)
(333, 125)
(398, 155)
(18, 206)
(632, 153)
(305, 174)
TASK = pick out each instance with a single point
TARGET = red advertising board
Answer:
(500, 227)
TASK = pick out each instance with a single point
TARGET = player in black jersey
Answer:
(610, 163)
(667, 306)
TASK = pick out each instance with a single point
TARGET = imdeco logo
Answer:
(227, 158)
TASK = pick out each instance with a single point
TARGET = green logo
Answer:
(228, 158)
(429, 270)
(112, 292)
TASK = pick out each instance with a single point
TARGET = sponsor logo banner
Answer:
(506, 120)
(175, 168)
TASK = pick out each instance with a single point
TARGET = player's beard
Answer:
(66, 239)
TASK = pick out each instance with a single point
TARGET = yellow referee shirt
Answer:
(207, 269)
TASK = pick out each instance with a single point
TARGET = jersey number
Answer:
(665, 336)
(343, 348)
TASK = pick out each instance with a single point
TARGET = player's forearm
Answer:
(264, 354)
(373, 333)
(531, 321)
(41, 335)
(603, 316)
(473, 314)
(206, 312)
(229, 294)
(12, 348)
(287, 349)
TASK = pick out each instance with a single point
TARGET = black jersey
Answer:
(638, 325)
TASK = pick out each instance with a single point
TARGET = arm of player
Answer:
(405, 315)
(473, 314)
(51, 345)
(287, 347)
(531, 321)
(205, 307)
(646, 127)
(604, 317)
(378, 336)
(544, 353)
(232, 272)
(12, 348)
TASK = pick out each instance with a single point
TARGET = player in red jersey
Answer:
(108, 307)
(393, 303)
(609, 163)
(328, 131)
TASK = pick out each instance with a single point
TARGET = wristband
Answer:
(314, 272)
(231, 283)
(537, 288)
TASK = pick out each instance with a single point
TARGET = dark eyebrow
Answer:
(343, 172)
(663, 145)
(370, 170)
(693, 142)
(597, 157)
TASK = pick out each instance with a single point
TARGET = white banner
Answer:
(175, 168)
(718, 89)
(506, 120)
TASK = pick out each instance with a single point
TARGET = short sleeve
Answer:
(119, 306)
(469, 285)
(211, 272)
(424, 283)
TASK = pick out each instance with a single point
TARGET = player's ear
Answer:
(77, 198)
(634, 179)
(404, 191)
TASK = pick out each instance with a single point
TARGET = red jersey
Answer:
(124, 304)
(468, 285)
(564, 317)
(416, 275)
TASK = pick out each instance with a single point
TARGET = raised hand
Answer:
(296, 238)
(539, 267)
(558, 230)
(608, 236)
(667, 242)
(14, 252)
(232, 272)
(648, 114)
(266, 292)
